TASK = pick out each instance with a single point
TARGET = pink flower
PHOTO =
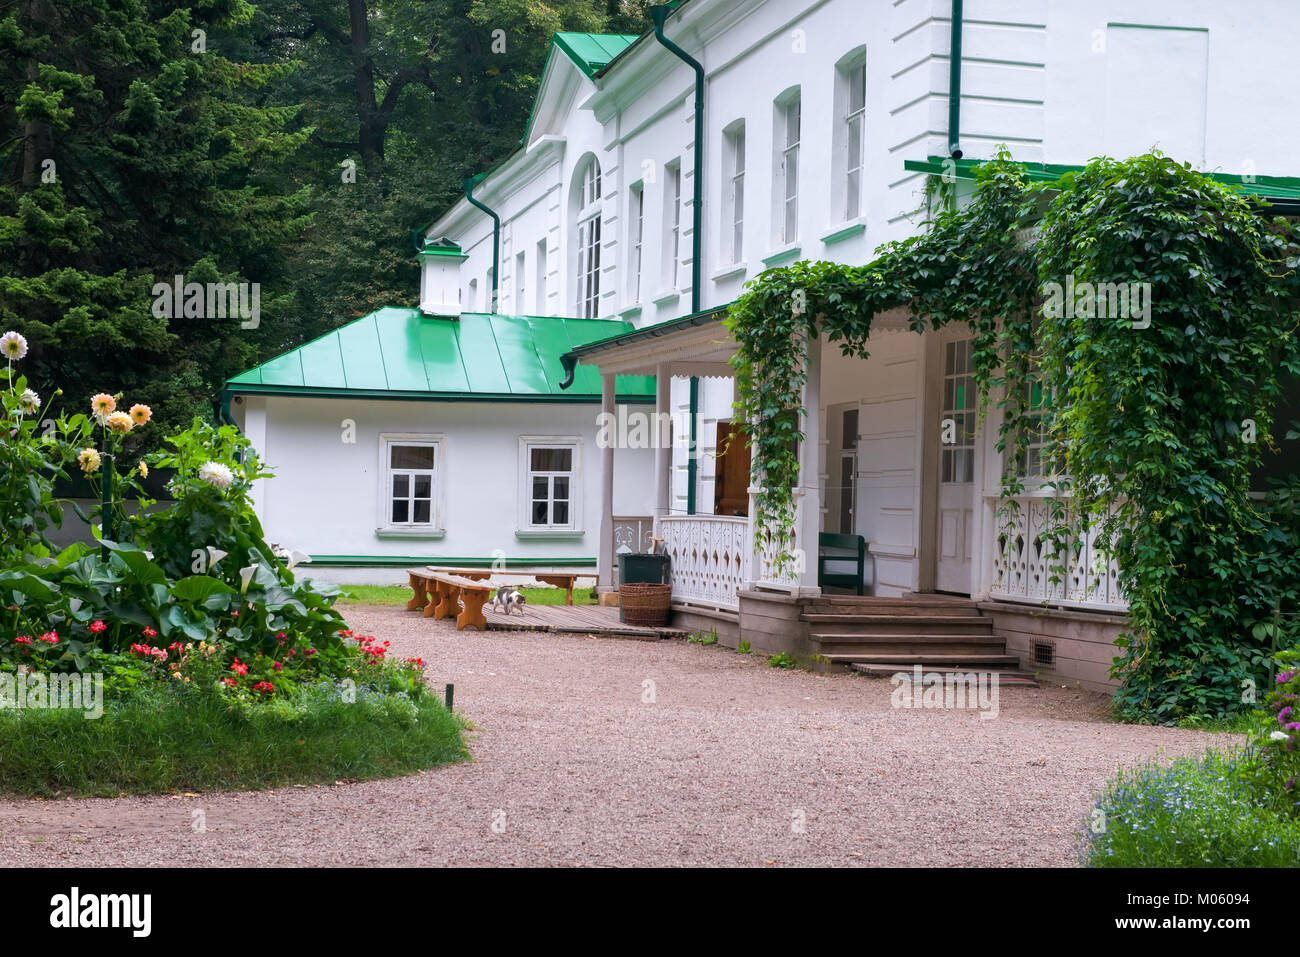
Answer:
(278, 666)
(98, 626)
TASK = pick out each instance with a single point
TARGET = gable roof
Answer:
(401, 353)
(592, 52)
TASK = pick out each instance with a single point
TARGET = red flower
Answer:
(278, 666)
(310, 652)
(239, 668)
(229, 681)
(50, 638)
(98, 626)
(234, 614)
(175, 646)
(149, 633)
(264, 686)
(23, 640)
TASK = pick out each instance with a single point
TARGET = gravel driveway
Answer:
(732, 763)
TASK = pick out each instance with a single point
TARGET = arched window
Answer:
(586, 208)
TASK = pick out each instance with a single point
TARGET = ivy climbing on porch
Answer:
(1158, 422)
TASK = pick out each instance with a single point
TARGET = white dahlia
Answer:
(216, 475)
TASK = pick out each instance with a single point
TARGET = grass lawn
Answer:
(401, 594)
(155, 742)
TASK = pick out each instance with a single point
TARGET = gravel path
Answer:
(733, 763)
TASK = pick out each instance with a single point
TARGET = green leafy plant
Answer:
(782, 660)
(709, 637)
(744, 647)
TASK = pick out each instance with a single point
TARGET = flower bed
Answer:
(183, 652)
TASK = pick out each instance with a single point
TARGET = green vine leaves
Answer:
(1153, 311)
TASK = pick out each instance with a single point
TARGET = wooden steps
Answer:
(883, 636)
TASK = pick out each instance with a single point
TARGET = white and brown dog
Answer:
(508, 598)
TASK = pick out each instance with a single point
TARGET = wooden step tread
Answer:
(848, 616)
(956, 658)
(886, 637)
(1019, 679)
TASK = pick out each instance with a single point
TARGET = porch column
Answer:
(605, 557)
(809, 488)
(663, 449)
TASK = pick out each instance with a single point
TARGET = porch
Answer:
(894, 454)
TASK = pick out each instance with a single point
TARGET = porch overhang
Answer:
(695, 345)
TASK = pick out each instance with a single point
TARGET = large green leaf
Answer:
(199, 588)
(25, 583)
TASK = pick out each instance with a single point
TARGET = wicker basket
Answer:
(645, 604)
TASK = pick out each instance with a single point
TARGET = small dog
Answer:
(507, 598)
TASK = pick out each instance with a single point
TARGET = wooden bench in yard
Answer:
(443, 595)
(563, 580)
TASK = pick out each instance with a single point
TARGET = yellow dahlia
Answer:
(140, 414)
(119, 422)
(89, 461)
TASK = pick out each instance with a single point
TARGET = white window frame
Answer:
(435, 527)
(788, 109)
(588, 230)
(733, 196)
(636, 242)
(672, 251)
(526, 528)
(540, 266)
(851, 124)
(521, 264)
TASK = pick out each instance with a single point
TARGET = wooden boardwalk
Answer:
(581, 619)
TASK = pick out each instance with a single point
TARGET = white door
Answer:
(956, 469)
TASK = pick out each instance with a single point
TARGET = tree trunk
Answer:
(370, 129)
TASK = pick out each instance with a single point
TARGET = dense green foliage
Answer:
(1158, 423)
(133, 150)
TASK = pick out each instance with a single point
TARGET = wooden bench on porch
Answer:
(842, 549)
(442, 595)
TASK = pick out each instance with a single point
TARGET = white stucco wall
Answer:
(324, 499)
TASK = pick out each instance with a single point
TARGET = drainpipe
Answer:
(954, 84)
(496, 236)
(660, 14)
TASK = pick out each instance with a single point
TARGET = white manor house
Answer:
(591, 269)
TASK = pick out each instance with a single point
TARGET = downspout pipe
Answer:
(496, 237)
(954, 83)
(659, 14)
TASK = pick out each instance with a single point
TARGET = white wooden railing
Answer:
(1025, 562)
(767, 572)
(710, 558)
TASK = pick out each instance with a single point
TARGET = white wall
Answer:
(324, 499)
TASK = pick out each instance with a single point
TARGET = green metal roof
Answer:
(401, 353)
(1285, 189)
(593, 51)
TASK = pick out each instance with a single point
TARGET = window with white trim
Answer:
(520, 306)
(786, 180)
(672, 222)
(850, 110)
(411, 483)
(637, 234)
(539, 264)
(733, 196)
(550, 484)
(588, 275)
